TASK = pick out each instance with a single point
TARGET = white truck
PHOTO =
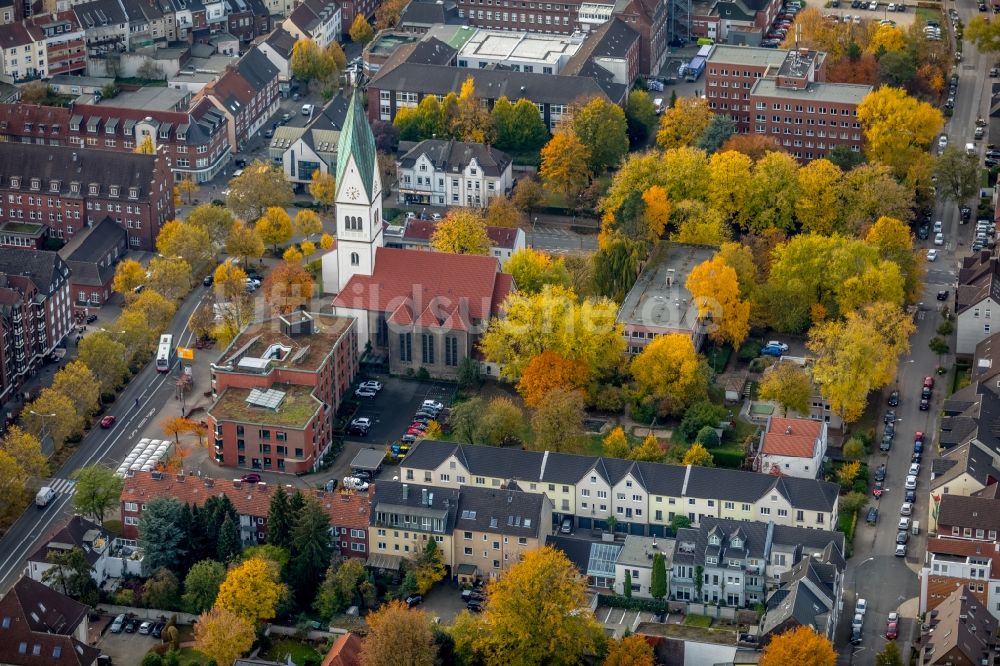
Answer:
(44, 496)
(970, 149)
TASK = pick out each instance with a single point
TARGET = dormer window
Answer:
(74, 188)
(737, 543)
(36, 183)
(133, 193)
(54, 186)
(93, 188)
(114, 190)
(15, 181)
(714, 540)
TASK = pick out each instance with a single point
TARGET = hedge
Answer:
(633, 603)
(724, 458)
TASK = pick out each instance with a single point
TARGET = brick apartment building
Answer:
(277, 388)
(92, 258)
(783, 94)
(247, 95)
(347, 510)
(195, 143)
(68, 189)
(351, 8)
(35, 314)
(247, 19)
(737, 23)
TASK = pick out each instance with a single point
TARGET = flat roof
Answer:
(368, 459)
(523, 46)
(454, 36)
(153, 98)
(299, 352)
(388, 42)
(753, 56)
(836, 93)
(639, 550)
(203, 70)
(295, 410)
(659, 300)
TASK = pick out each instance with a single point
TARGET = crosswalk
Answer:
(63, 486)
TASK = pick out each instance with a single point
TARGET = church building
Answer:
(417, 309)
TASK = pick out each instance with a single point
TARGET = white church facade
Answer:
(416, 309)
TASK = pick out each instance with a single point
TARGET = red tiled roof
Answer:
(419, 230)
(945, 546)
(504, 237)
(422, 230)
(447, 282)
(350, 510)
(346, 651)
(791, 437)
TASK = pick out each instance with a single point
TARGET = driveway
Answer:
(444, 602)
(391, 411)
(126, 649)
(617, 621)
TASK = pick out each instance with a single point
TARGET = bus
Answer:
(165, 353)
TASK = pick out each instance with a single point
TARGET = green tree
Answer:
(518, 125)
(502, 423)
(72, 575)
(465, 419)
(707, 437)
(557, 424)
(229, 543)
(217, 221)
(52, 414)
(533, 269)
(259, 187)
(680, 522)
(602, 128)
(627, 585)
(957, 174)
(854, 449)
(889, 656)
(429, 567)
(340, 588)
(76, 382)
(719, 129)
(201, 585)
(658, 577)
(97, 491)
(640, 116)
(939, 346)
(280, 519)
(311, 550)
(616, 266)
(159, 536)
(699, 415)
(161, 591)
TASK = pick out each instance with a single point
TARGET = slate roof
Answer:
(967, 458)
(77, 532)
(509, 512)
(576, 550)
(755, 537)
(431, 51)
(974, 512)
(100, 13)
(611, 39)
(658, 478)
(256, 69)
(440, 501)
(44, 620)
(65, 164)
(424, 13)
(46, 270)
(796, 438)
(806, 595)
(951, 629)
(978, 278)
(451, 155)
(357, 141)
(282, 42)
(85, 260)
(492, 84)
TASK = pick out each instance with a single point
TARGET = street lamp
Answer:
(41, 430)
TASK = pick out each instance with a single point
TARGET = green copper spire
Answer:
(357, 140)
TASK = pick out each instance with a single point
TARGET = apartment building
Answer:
(953, 564)
(480, 532)
(960, 634)
(247, 95)
(350, 514)
(975, 299)
(809, 595)
(614, 47)
(453, 173)
(277, 388)
(972, 518)
(194, 141)
(68, 189)
(731, 73)
(318, 20)
(792, 447)
(36, 314)
(92, 257)
(643, 497)
(43, 46)
(559, 18)
(736, 23)
(38, 625)
(106, 27)
(247, 19)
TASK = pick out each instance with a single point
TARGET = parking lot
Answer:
(902, 19)
(392, 409)
(126, 649)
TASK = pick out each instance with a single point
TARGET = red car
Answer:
(250, 478)
(928, 382)
(108, 421)
(892, 631)
(918, 436)
(422, 427)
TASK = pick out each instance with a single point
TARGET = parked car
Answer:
(858, 621)
(414, 600)
(911, 483)
(877, 489)
(928, 382)
(861, 606)
(365, 393)
(118, 624)
(925, 404)
(932, 254)
(108, 421)
(886, 443)
(769, 350)
(131, 624)
(372, 384)
(567, 526)
(145, 628)
(910, 496)
(880, 473)
(901, 550)
(157, 630)
(939, 239)
(433, 404)
(894, 399)
(892, 631)
(902, 537)
(915, 469)
(943, 295)
(250, 478)
(889, 417)
(872, 516)
(856, 636)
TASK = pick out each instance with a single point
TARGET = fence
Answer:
(147, 613)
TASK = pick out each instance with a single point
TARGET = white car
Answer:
(904, 524)
(433, 404)
(932, 255)
(911, 483)
(365, 393)
(777, 343)
(372, 384)
(939, 239)
(861, 607)
(938, 226)
(363, 422)
(905, 509)
(914, 469)
(943, 141)
(901, 550)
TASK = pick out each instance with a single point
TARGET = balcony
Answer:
(218, 443)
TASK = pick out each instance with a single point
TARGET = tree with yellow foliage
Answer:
(129, 274)
(698, 224)
(157, 309)
(146, 146)
(398, 636)
(817, 206)
(326, 242)
(361, 32)
(323, 188)
(223, 635)
(886, 39)
(229, 280)
(564, 165)
(275, 227)
(533, 269)
(894, 242)
(729, 174)
(801, 645)
(715, 290)
(898, 128)
(549, 371)
(21, 458)
(245, 243)
(699, 456)
(773, 191)
(251, 590)
(631, 650)
(658, 210)
(788, 384)
(858, 354)
(189, 242)
(847, 473)
(501, 212)
(739, 257)
(649, 451)
(307, 223)
(671, 371)
(188, 187)
(615, 444)
(288, 287)
(76, 382)
(683, 123)
(170, 276)
(462, 231)
(472, 121)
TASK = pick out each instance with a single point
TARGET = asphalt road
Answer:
(886, 582)
(560, 239)
(152, 390)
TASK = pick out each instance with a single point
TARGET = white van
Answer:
(970, 148)
(307, 109)
(44, 496)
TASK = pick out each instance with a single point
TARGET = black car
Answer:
(414, 600)
(872, 516)
(966, 212)
(240, 162)
(890, 417)
(474, 606)
(856, 637)
(925, 404)
(902, 537)
(915, 457)
(890, 428)
(209, 280)
(911, 496)
(880, 473)
(131, 624)
(157, 630)
(90, 319)
(886, 444)
(423, 418)
(989, 162)
(925, 392)
(894, 399)
(943, 295)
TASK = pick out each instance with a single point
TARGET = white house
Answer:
(636, 557)
(278, 49)
(453, 173)
(108, 557)
(976, 301)
(792, 447)
(303, 151)
(319, 20)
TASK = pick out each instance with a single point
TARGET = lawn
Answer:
(192, 656)
(287, 647)
(929, 14)
(702, 621)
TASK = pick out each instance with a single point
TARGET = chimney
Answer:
(406, 492)
(788, 430)
(423, 496)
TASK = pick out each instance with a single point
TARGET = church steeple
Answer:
(357, 141)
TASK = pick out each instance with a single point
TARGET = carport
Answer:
(368, 460)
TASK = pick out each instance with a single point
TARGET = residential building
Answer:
(38, 625)
(595, 559)
(318, 20)
(739, 559)
(277, 388)
(247, 95)
(975, 518)
(416, 309)
(350, 514)
(92, 257)
(809, 595)
(302, 151)
(975, 300)
(405, 517)
(519, 51)
(962, 470)
(438, 47)
(36, 314)
(613, 47)
(346, 651)
(106, 30)
(194, 142)
(792, 446)
(636, 559)
(405, 84)
(247, 19)
(147, 24)
(349, 9)
(643, 497)
(107, 557)
(952, 564)
(42, 46)
(420, 16)
(820, 409)
(494, 528)
(251, 500)
(735, 23)
(68, 189)
(416, 235)
(961, 634)
(453, 173)
(659, 303)
(656, 21)
(278, 48)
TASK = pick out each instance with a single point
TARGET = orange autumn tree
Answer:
(288, 287)
(799, 646)
(657, 211)
(547, 371)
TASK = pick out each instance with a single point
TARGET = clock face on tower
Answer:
(352, 193)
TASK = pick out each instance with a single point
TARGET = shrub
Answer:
(726, 458)
(633, 603)
(152, 659)
(708, 438)
(605, 397)
(643, 410)
(698, 416)
(422, 374)
(748, 351)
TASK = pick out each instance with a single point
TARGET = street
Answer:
(874, 573)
